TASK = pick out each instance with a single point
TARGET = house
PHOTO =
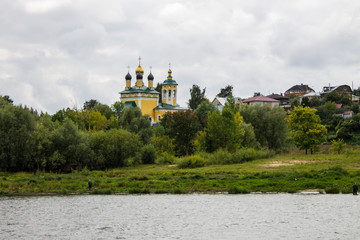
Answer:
(345, 115)
(284, 101)
(298, 90)
(261, 100)
(219, 103)
(310, 96)
(341, 89)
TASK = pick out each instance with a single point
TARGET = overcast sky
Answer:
(56, 54)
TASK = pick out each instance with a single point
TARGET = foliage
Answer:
(182, 127)
(148, 154)
(338, 146)
(231, 104)
(268, 123)
(339, 98)
(196, 96)
(133, 121)
(305, 127)
(224, 130)
(203, 110)
(224, 92)
(16, 145)
(294, 100)
(163, 143)
(242, 155)
(349, 129)
(165, 158)
(194, 161)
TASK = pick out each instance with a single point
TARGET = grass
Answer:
(330, 173)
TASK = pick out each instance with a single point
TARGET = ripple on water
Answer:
(251, 216)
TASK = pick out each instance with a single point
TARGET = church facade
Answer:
(147, 98)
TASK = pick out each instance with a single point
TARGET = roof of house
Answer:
(260, 99)
(278, 96)
(301, 88)
(312, 94)
(221, 100)
(328, 89)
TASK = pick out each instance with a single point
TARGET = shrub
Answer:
(148, 154)
(236, 190)
(332, 190)
(240, 156)
(220, 157)
(337, 146)
(165, 158)
(191, 162)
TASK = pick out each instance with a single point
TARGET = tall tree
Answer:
(196, 96)
(158, 88)
(182, 127)
(224, 92)
(305, 128)
(269, 125)
(202, 111)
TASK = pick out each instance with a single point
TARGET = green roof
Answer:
(144, 89)
(170, 82)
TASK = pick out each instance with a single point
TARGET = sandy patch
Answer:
(289, 163)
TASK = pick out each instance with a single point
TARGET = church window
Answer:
(169, 93)
(174, 93)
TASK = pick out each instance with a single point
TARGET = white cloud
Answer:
(58, 54)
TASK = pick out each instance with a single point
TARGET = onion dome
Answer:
(139, 70)
(150, 77)
(139, 76)
(169, 76)
(128, 76)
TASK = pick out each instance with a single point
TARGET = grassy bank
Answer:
(331, 173)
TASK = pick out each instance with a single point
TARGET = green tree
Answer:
(133, 121)
(182, 127)
(224, 130)
(16, 144)
(202, 111)
(196, 97)
(305, 128)
(224, 92)
(231, 104)
(158, 88)
(268, 123)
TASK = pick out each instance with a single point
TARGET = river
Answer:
(193, 216)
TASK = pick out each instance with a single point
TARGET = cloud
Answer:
(58, 54)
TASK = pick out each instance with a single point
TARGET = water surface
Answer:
(195, 216)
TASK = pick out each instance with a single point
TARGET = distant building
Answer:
(283, 100)
(341, 89)
(298, 90)
(147, 98)
(219, 103)
(261, 100)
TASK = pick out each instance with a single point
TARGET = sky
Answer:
(56, 54)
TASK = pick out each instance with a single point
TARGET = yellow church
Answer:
(147, 98)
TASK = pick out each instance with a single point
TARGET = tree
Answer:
(133, 121)
(196, 97)
(224, 130)
(224, 92)
(268, 123)
(7, 99)
(305, 128)
(90, 104)
(231, 104)
(202, 111)
(16, 141)
(182, 127)
(158, 88)
(257, 94)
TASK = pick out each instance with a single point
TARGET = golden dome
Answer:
(139, 69)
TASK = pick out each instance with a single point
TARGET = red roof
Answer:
(260, 99)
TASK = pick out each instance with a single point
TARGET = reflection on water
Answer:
(252, 216)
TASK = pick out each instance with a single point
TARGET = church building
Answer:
(147, 98)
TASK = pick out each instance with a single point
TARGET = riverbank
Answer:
(330, 173)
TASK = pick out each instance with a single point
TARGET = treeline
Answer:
(99, 136)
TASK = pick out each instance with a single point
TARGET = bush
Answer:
(165, 158)
(191, 162)
(235, 190)
(240, 156)
(332, 190)
(148, 154)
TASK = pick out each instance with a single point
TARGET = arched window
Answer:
(164, 94)
(169, 93)
(174, 93)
